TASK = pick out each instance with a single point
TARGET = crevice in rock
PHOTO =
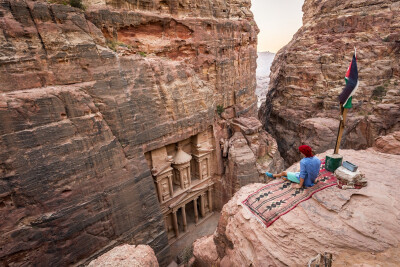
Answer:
(37, 29)
(354, 197)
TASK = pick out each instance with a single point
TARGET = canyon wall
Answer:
(85, 94)
(307, 77)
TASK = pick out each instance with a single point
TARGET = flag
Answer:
(351, 83)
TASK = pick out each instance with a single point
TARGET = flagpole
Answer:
(332, 162)
(343, 114)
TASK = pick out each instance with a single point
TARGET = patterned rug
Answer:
(276, 199)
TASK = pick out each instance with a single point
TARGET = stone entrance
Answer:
(182, 174)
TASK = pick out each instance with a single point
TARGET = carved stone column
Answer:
(200, 168)
(210, 199)
(202, 209)
(184, 219)
(159, 192)
(181, 179)
(175, 222)
(196, 213)
(171, 187)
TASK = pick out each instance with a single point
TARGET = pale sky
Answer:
(278, 20)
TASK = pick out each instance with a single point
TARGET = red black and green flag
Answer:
(351, 84)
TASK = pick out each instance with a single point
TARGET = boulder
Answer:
(127, 256)
(206, 251)
(228, 113)
(247, 125)
(389, 143)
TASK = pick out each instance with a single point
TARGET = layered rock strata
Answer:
(359, 227)
(307, 76)
(85, 94)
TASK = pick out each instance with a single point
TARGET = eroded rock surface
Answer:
(127, 256)
(85, 94)
(388, 143)
(359, 227)
(307, 76)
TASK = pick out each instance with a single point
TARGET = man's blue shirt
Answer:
(309, 170)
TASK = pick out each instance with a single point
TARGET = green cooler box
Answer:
(332, 162)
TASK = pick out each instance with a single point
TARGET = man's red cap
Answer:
(306, 150)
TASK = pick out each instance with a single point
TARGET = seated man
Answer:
(309, 169)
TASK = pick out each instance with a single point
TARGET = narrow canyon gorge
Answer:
(128, 125)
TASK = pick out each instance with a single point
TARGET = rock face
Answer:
(248, 152)
(85, 94)
(127, 256)
(359, 227)
(307, 77)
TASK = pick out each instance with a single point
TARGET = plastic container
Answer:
(350, 166)
(332, 162)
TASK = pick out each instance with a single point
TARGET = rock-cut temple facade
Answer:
(182, 174)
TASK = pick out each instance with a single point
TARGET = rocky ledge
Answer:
(359, 227)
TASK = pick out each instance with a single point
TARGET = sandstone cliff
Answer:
(359, 227)
(307, 76)
(85, 94)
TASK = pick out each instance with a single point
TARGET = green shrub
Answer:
(143, 54)
(60, 2)
(73, 3)
(112, 45)
(77, 4)
(220, 109)
(378, 92)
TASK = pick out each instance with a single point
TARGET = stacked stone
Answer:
(350, 179)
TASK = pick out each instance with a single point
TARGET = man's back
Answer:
(309, 170)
